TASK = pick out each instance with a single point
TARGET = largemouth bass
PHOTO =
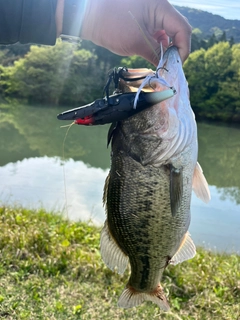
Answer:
(147, 193)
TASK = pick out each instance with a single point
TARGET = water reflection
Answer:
(37, 182)
(217, 224)
(219, 156)
(35, 132)
(31, 172)
(41, 182)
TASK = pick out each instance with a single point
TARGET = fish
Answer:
(147, 193)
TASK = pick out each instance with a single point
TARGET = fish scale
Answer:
(143, 226)
(147, 193)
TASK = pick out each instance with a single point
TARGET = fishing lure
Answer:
(116, 107)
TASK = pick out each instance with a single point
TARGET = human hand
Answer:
(108, 23)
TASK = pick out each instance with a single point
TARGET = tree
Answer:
(213, 77)
(8, 54)
(136, 62)
(223, 37)
(231, 41)
(212, 40)
(106, 59)
(54, 75)
(195, 73)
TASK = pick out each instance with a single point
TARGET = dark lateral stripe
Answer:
(145, 272)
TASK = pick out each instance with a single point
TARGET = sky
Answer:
(229, 9)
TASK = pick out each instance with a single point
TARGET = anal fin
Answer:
(132, 298)
(111, 254)
(186, 250)
(200, 185)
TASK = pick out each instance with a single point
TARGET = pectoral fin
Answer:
(111, 254)
(110, 132)
(200, 185)
(176, 188)
(187, 250)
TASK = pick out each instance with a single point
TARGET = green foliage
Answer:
(213, 77)
(199, 42)
(11, 53)
(58, 75)
(136, 62)
(51, 268)
(106, 60)
(69, 75)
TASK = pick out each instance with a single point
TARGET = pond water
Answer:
(33, 173)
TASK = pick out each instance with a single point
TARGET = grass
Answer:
(51, 268)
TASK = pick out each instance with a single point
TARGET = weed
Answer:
(51, 268)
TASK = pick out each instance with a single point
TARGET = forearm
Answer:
(107, 23)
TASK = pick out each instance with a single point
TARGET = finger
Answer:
(181, 38)
(176, 27)
(162, 38)
(183, 43)
(151, 49)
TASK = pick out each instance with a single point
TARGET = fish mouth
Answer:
(171, 57)
(171, 64)
(171, 51)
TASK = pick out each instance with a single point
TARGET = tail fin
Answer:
(132, 298)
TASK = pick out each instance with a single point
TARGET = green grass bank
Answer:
(51, 268)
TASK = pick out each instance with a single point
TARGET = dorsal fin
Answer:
(200, 185)
(186, 250)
